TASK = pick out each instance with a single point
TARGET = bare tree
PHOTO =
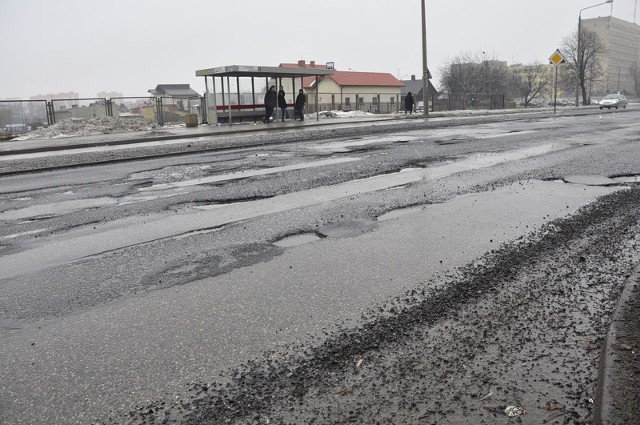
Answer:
(587, 63)
(529, 81)
(472, 73)
(634, 70)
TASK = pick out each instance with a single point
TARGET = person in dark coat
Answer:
(270, 99)
(408, 103)
(282, 103)
(298, 109)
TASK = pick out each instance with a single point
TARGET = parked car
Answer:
(561, 102)
(613, 101)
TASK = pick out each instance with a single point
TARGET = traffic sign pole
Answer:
(556, 59)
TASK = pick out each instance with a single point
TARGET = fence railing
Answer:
(466, 101)
(24, 115)
(18, 116)
(87, 108)
(134, 107)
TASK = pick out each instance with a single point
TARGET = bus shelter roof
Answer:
(262, 71)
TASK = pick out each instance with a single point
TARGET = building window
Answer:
(375, 100)
(361, 100)
(347, 101)
(392, 100)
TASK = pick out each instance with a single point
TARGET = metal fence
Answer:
(376, 103)
(87, 108)
(174, 111)
(23, 115)
(134, 107)
(466, 101)
(18, 116)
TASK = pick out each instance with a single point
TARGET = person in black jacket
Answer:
(282, 103)
(408, 103)
(298, 109)
(269, 104)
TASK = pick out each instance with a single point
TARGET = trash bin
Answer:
(191, 120)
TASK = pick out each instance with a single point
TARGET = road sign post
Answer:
(556, 59)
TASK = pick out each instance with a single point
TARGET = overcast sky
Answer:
(130, 46)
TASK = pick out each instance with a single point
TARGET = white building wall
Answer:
(622, 40)
(347, 97)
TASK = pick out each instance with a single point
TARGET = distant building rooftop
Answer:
(174, 90)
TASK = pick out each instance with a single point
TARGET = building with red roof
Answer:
(348, 90)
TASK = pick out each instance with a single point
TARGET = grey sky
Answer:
(129, 46)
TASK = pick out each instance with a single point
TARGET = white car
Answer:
(613, 101)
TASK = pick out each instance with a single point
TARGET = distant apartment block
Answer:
(622, 40)
(111, 95)
(69, 98)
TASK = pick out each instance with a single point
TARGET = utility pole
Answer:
(425, 70)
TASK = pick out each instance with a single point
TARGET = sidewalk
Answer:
(181, 132)
(171, 133)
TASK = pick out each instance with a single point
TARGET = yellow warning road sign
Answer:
(556, 58)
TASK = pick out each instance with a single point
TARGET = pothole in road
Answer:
(211, 205)
(243, 174)
(339, 230)
(362, 143)
(590, 180)
(297, 240)
(630, 178)
(400, 212)
(447, 142)
(346, 229)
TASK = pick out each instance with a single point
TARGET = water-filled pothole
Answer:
(297, 240)
(346, 229)
(590, 180)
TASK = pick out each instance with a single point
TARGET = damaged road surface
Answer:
(460, 275)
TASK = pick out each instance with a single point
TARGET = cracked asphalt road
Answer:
(492, 283)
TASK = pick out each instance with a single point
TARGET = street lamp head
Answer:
(609, 1)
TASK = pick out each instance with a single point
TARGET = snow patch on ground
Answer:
(88, 127)
(343, 114)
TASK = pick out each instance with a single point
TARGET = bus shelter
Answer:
(230, 109)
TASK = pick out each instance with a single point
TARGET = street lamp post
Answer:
(578, 60)
(425, 70)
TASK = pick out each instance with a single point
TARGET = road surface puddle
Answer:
(346, 229)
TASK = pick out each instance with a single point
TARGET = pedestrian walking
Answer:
(270, 99)
(408, 103)
(298, 108)
(282, 103)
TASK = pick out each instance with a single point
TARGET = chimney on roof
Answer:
(312, 63)
(413, 77)
(301, 63)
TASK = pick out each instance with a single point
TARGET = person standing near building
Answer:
(270, 99)
(408, 103)
(298, 109)
(282, 103)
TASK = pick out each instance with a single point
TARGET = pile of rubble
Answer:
(87, 127)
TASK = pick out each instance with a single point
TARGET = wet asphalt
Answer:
(510, 311)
